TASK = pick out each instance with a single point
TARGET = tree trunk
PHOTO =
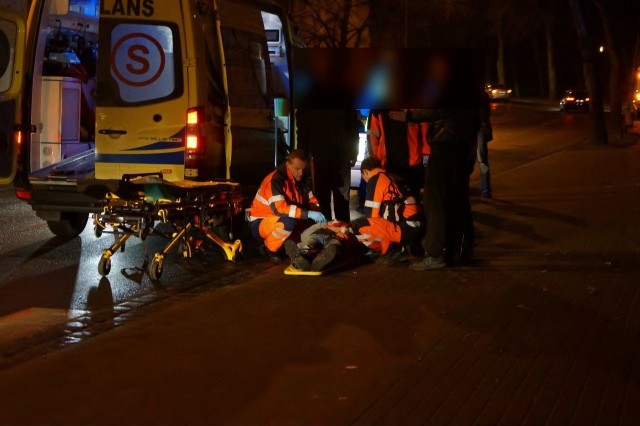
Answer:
(590, 70)
(615, 88)
(344, 24)
(514, 72)
(551, 66)
(537, 54)
(386, 19)
(500, 65)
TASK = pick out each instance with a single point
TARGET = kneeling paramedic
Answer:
(284, 204)
(393, 218)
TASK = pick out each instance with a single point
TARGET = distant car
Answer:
(498, 91)
(574, 100)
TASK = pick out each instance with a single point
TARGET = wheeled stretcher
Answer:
(194, 212)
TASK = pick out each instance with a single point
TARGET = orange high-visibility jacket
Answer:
(384, 198)
(416, 140)
(281, 195)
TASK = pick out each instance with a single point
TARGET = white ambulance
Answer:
(93, 90)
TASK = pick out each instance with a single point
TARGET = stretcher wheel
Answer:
(97, 230)
(155, 268)
(104, 265)
(185, 249)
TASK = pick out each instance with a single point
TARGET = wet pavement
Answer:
(542, 329)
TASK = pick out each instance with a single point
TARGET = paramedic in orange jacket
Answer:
(400, 148)
(391, 216)
(284, 203)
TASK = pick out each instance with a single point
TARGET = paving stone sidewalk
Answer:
(542, 329)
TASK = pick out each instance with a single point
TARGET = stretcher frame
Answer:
(192, 209)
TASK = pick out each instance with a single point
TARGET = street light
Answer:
(601, 49)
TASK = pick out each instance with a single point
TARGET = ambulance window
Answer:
(7, 40)
(248, 70)
(144, 62)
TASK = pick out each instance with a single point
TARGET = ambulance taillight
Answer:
(194, 141)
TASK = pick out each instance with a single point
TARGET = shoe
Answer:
(298, 261)
(324, 258)
(273, 257)
(486, 194)
(399, 255)
(428, 263)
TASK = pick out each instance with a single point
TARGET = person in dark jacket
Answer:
(330, 137)
(451, 136)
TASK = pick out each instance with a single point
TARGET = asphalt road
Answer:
(47, 283)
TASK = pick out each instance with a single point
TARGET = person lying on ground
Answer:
(323, 245)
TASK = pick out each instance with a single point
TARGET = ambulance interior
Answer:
(63, 111)
(278, 58)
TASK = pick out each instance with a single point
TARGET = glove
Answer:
(316, 216)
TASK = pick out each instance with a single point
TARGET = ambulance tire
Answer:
(71, 224)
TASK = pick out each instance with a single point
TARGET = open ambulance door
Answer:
(251, 143)
(12, 40)
(141, 98)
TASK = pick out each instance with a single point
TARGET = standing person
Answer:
(330, 136)
(284, 204)
(485, 135)
(452, 137)
(399, 146)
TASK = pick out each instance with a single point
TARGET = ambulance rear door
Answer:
(141, 97)
(247, 69)
(12, 40)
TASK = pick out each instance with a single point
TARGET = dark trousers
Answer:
(482, 152)
(447, 205)
(332, 178)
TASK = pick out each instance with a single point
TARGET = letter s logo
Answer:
(135, 53)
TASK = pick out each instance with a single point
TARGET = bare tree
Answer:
(508, 21)
(589, 52)
(549, 12)
(620, 29)
(332, 23)
(425, 23)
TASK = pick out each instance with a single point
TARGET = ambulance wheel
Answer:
(71, 224)
(155, 269)
(104, 265)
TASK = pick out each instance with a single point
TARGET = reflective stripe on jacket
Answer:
(383, 192)
(281, 195)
